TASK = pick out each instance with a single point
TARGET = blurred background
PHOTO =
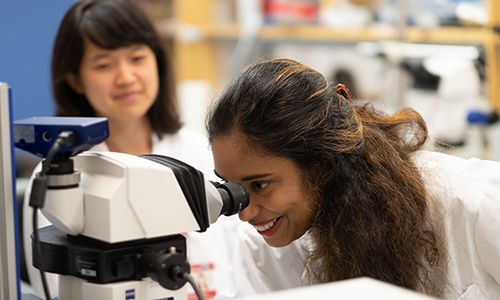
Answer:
(441, 57)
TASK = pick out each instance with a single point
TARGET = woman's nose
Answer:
(125, 74)
(250, 212)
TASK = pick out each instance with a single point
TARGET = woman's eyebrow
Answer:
(138, 47)
(246, 178)
(99, 56)
(256, 176)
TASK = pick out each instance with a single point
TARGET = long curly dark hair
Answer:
(374, 217)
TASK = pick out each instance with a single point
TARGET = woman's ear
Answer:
(75, 83)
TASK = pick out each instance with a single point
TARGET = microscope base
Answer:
(72, 288)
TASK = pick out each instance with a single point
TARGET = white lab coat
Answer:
(470, 194)
(210, 251)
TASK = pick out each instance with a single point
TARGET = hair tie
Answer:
(343, 91)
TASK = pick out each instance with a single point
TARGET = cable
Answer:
(195, 286)
(37, 195)
(180, 272)
(66, 139)
(45, 285)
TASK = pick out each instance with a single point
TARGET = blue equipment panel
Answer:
(37, 134)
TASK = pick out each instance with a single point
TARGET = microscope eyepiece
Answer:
(234, 197)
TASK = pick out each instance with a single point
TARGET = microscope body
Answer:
(118, 219)
(120, 198)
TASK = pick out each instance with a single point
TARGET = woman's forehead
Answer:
(236, 144)
(235, 158)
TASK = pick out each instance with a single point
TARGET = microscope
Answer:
(117, 218)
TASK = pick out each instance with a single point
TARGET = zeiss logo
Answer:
(130, 294)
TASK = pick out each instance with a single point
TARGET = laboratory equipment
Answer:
(9, 279)
(118, 218)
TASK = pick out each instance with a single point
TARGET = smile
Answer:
(267, 228)
(126, 96)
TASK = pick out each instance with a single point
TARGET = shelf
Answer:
(443, 35)
(305, 33)
(196, 35)
(448, 35)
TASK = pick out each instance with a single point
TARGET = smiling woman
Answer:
(121, 84)
(281, 208)
(343, 191)
(113, 65)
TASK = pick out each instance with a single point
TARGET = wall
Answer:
(27, 31)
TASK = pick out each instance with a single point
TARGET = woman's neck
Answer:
(130, 137)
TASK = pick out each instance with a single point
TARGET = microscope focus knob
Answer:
(167, 268)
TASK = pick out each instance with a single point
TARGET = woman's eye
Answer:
(259, 185)
(138, 58)
(102, 66)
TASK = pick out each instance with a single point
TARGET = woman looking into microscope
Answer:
(340, 191)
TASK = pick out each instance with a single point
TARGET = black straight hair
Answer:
(110, 24)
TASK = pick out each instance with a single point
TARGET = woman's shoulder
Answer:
(469, 192)
(458, 170)
(189, 133)
(458, 182)
(185, 137)
(188, 146)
